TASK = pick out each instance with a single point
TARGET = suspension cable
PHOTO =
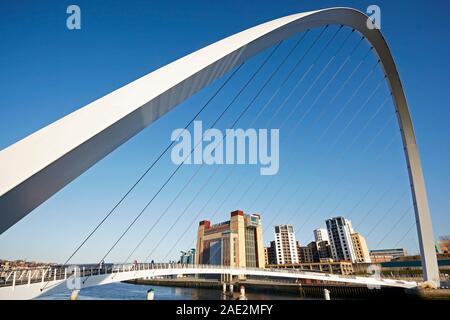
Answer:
(221, 141)
(396, 202)
(353, 94)
(344, 84)
(394, 226)
(317, 98)
(405, 234)
(330, 61)
(289, 74)
(180, 165)
(345, 105)
(333, 37)
(343, 176)
(210, 177)
(307, 91)
(150, 167)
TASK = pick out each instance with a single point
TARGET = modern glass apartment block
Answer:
(237, 242)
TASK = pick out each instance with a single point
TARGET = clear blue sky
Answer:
(47, 71)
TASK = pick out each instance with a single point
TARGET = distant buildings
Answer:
(286, 250)
(443, 245)
(22, 264)
(339, 267)
(237, 242)
(411, 266)
(360, 246)
(285, 245)
(305, 254)
(320, 250)
(187, 257)
(385, 255)
(337, 243)
(340, 233)
(316, 256)
(346, 244)
(270, 254)
(321, 234)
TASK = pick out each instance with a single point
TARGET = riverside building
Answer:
(285, 245)
(320, 235)
(346, 244)
(237, 242)
(340, 234)
(360, 247)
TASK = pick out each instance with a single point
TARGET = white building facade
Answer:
(321, 234)
(340, 237)
(285, 245)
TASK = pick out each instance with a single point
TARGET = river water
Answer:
(125, 291)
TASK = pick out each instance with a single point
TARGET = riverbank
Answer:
(295, 290)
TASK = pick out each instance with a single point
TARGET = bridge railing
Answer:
(58, 273)
(46, 274)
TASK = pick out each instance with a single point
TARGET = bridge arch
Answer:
(32, 171)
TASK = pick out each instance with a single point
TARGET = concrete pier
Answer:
(304, 290)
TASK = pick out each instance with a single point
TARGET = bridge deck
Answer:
(29, 284)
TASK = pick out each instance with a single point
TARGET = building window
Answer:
(250, 247)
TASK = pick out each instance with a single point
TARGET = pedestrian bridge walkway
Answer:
(32, 283)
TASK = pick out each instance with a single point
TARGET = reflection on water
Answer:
(125, 291)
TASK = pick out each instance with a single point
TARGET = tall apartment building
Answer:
(270, 253)
(237, 242)
(340, 234)
(321, 251)
(285, 245)
(305, 254)
(360, 246)
(321, 234)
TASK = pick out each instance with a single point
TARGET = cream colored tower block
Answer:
(237, 223)
(260, 246)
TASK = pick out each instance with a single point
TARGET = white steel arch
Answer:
(38, 166)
